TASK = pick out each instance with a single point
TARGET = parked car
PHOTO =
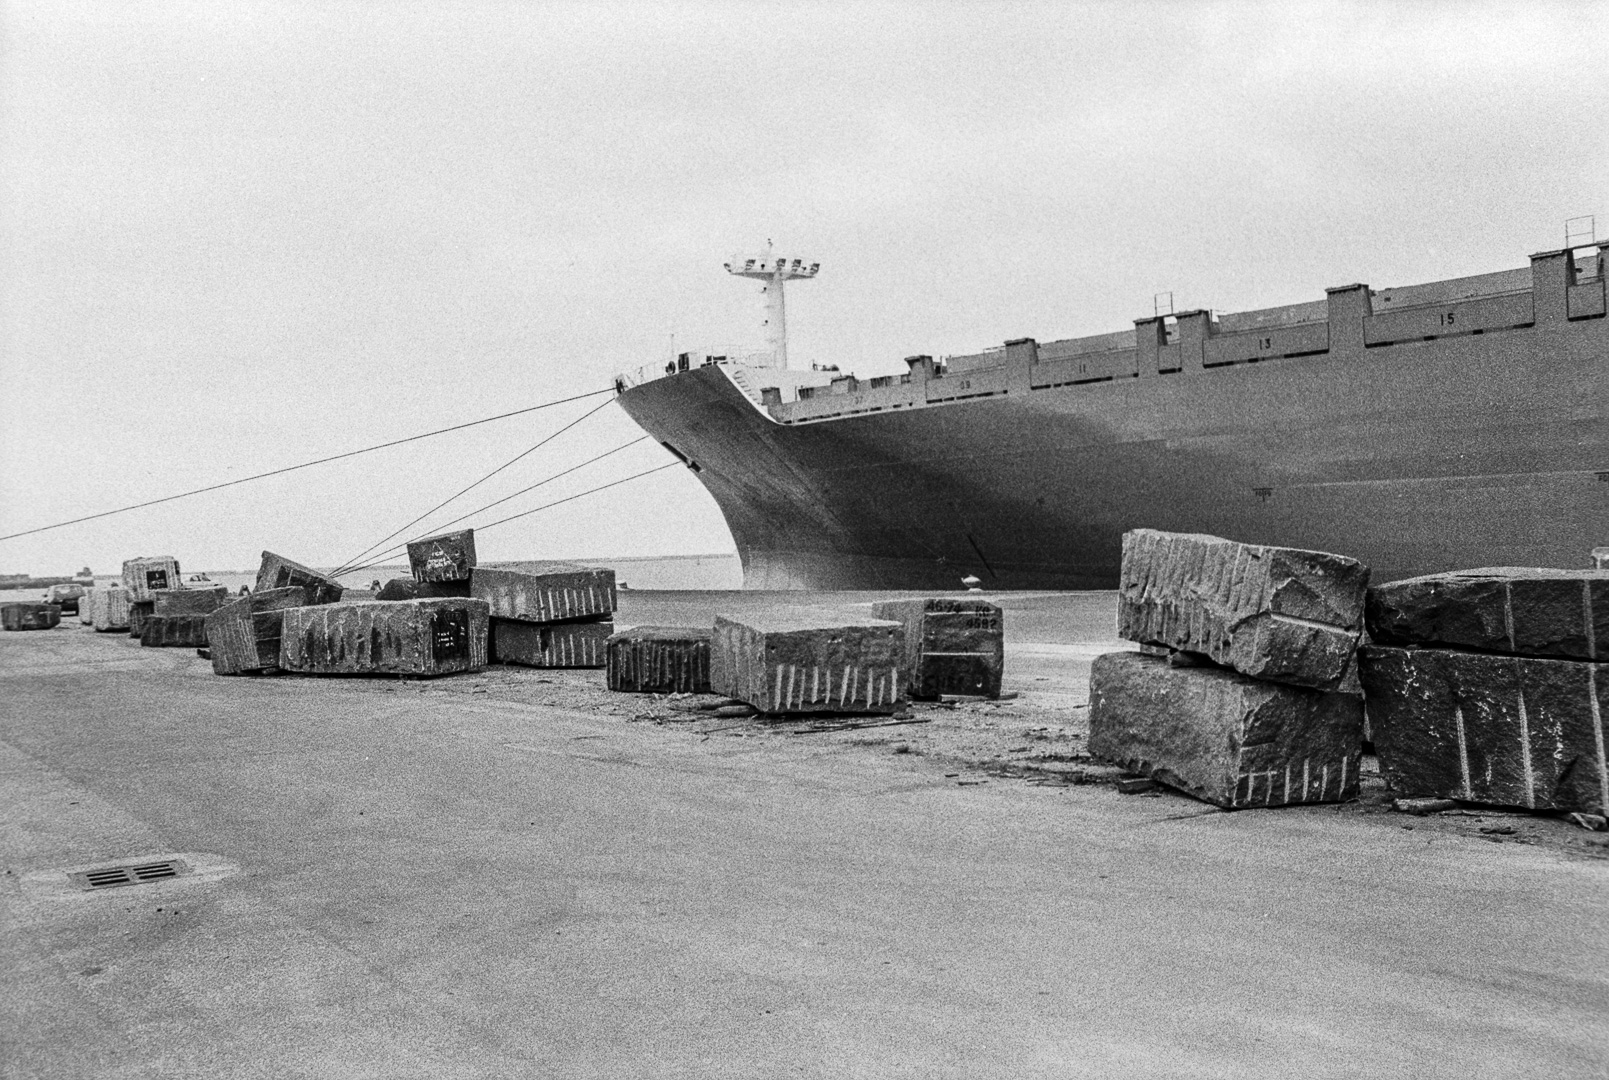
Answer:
(67, 596)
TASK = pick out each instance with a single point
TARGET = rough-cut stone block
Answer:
(138, 612)
(278, 572)
(660, 660)
(174, 632)
(557, 592)
(1502, 609)
(144, 575)
(109, 607)
(952, 645)
(1273, 613)
(402, 588)
(244, 634)
(1504, 730)
(555, 645)
(171, 602)
(1224, 738)
(27, 616)
(448, 557)
(407, 637)
(809, 660)
(86, 612)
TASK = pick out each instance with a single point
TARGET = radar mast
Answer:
(773, 271)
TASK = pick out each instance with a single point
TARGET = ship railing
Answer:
(687, 361)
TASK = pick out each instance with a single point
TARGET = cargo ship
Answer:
(1458, 423)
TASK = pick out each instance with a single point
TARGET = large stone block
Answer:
(278, 572)
(1224, 738)
(29, 616)
(1504, 730)
(109, 607)
(555, 645)
(1501, 609)
(809, 660)
(1278, 614)
(244, 634)
(174, 632)
(660, 660)
(448, 557)
(138, 612)
(408, 637)
(952, 645)
(86, 614)
(408, 589)
(555, 593)
(146, 574)
(171, 602)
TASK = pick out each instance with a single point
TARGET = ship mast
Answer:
(773, 271)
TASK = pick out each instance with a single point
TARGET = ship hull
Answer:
(1485, 449)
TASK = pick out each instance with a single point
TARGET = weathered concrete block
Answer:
(174, 632)
(1278, 614)
(138, 612)
(278, 572)
(1502, 609)
(29, 616)
(109, 607)
(660, 660)
(170, 602)
(1222, 737)
(1504, 730)
(402, 588)
(556, 645)
(448, 557)
(144, 575)
(244, 634)
(809, 660)
(554, 593)
(407, 637)
(952, 645)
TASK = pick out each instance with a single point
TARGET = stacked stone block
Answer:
(1278, 614)
(952, 645)
(448, 557)
(148, 573)
(659, 660)
(1489, 686)
(278, 572)
(244, 635)
(1235, 697)
(809, 660)
(554, 615)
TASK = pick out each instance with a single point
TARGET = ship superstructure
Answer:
(1452, 424)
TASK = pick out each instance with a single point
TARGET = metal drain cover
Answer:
(110, 877)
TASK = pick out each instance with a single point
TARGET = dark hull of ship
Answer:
(1479, 450)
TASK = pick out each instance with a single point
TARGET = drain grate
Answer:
(110, 877)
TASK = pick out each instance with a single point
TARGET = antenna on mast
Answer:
(773, 271)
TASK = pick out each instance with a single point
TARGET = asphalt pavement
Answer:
(393, 882)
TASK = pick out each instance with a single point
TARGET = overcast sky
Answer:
(236, 236)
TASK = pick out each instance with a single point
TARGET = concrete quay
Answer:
(516, 874)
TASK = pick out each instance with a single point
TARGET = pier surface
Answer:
(505, 876)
